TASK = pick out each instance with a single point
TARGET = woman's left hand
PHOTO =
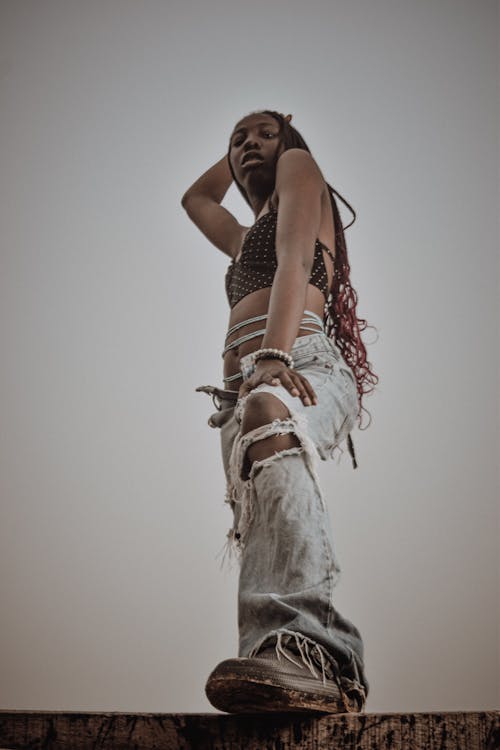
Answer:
(276, 372)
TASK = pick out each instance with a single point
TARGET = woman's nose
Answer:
(250, 145)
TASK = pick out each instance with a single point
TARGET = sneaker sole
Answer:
(236, 686)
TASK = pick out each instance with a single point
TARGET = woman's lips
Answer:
(251, 157)
(252, 160)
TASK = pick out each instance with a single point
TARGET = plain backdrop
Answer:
(113, 310)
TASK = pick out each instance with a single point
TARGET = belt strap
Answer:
(350, 446)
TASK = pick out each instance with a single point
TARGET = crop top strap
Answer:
(327, 250)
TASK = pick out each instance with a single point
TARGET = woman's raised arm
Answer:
(202, 204)
(213, 184)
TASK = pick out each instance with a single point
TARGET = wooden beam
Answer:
(63, 730)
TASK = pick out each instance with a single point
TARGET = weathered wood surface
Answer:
(62, 730)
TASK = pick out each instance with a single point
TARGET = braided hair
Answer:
(341, 322)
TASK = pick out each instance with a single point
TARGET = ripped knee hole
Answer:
(262, 409)
(265, 448)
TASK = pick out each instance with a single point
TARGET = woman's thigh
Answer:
(334, 416)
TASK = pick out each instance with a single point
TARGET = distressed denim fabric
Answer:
(281, 531)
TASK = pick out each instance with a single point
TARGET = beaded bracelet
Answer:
(273, 354)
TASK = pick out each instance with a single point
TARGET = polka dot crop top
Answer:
(257, 264)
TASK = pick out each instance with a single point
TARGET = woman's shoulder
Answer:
(295, 163)
(295, 160)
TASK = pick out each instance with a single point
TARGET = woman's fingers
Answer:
(309, 389)
(299, 386)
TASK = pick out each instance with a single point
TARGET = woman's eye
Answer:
(239, 141)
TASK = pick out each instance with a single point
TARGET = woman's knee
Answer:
(261, 409)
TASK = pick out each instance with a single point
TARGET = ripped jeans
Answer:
(281, 531)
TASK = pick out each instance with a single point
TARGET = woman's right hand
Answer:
(276, 372)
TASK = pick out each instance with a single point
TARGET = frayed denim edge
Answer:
(242, 491)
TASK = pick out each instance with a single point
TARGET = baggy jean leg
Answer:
(288, 568)
(282, 537)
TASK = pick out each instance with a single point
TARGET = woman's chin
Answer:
(260, 181)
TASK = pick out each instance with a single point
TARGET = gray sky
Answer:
(112, 312)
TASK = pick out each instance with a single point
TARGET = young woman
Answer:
(294, 375)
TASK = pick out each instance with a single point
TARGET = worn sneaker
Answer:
(268, 682)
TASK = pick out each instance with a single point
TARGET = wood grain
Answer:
(62, 730)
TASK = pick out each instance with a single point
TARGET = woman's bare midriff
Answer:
(257, 303)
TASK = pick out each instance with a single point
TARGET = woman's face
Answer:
(255, 147)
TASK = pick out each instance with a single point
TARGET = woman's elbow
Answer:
(185, 198)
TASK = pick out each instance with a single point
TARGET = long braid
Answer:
(342, 324)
